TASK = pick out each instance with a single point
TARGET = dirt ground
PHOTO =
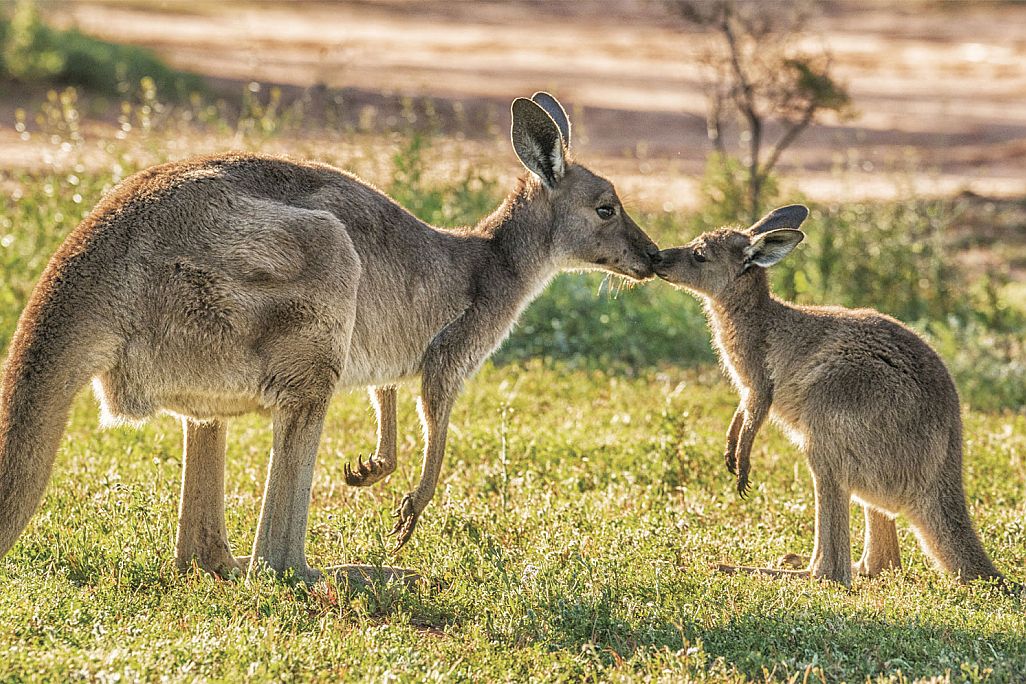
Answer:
(938, 84)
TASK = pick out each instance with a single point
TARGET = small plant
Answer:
(455, 203)
(756, 77)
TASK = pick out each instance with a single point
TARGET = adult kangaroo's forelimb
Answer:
(730, 454)
(383, 462)
(453, 355)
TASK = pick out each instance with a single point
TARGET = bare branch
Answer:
(792, 133)
(757, 76)
(714, 122)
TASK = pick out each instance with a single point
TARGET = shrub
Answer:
(34, 52)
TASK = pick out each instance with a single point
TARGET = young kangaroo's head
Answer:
(589, 227)
(714, 262)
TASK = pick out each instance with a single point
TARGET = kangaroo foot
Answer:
(304, 574)
(367, 473)
(865, 568)
(833, 569)
(407, 515)
(777, 572)
(213, 557)
(357, 575)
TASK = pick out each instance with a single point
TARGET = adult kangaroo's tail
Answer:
(56, 349)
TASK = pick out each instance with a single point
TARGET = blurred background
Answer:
(903, 125)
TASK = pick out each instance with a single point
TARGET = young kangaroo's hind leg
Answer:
(880, 551)
(831, 555)
(382, 463)
(201, 529)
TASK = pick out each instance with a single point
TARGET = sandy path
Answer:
(946, 86)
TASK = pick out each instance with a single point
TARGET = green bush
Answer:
(891, 256)
(34, 52)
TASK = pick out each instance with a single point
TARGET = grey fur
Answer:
(867, 401)
(224, 285)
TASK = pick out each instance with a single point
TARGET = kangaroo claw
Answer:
(407, 516)
(743, 485)
(365, 473)
(730, 458)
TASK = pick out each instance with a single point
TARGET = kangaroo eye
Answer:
(699, 256)
(606, 211)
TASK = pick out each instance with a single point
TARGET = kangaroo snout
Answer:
(646, 254)
(664, 261)
(653, 254)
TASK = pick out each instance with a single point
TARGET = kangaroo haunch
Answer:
(218, 286)
(867, 401)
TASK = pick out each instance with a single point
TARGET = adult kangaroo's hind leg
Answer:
(201, 528)
(281, 533)
(383, 462)
(880, 551)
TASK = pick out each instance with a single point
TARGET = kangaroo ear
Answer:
(537, 141)
(769, 248)
(552, 107)
(790, 217)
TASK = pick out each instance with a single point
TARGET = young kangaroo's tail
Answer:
(55, 351)
(944, 527)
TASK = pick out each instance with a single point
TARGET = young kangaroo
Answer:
(869, 403)
(218, 286)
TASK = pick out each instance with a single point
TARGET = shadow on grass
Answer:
(849, 646)
(857, 647)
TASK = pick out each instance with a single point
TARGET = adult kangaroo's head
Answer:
(589, 227)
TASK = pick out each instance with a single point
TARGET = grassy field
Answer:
(577, 518)
(583, 499)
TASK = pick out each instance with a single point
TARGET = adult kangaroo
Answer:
(218, 286)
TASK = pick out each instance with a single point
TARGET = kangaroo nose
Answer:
(653, 254)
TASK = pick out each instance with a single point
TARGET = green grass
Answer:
(575, 525)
